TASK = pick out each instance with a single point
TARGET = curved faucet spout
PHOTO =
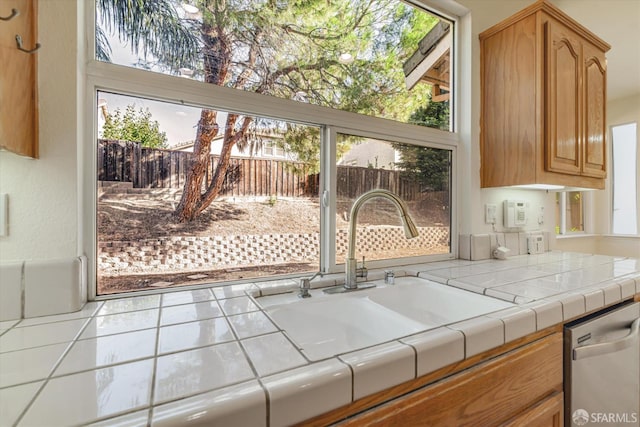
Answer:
(410, 229)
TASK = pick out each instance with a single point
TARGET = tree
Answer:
(134, 126)
(287, 49)
(430, 166)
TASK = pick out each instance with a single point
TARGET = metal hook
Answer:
(14, 13)
(19, 43)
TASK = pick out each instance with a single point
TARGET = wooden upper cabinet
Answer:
(595, 99)
(543, 89)
(18, 79)
(564, 99)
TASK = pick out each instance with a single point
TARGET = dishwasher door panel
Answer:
(602, 369)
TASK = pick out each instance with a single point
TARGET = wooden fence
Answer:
(157, 168)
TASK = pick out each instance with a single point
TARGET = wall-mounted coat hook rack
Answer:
(19, 43)
(14, 13)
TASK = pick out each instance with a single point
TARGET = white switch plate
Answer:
(490, 214)
(4, 214)
(541, 216)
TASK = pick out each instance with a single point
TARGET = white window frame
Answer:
(637, 178)
(129, 81)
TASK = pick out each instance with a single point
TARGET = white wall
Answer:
(43, 193)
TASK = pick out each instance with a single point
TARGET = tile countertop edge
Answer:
(284, 397)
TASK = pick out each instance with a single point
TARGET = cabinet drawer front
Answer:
(486, 395)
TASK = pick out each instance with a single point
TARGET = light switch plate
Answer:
(4, 214)
(490, 214)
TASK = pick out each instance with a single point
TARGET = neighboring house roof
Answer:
(430, 63)
(267, 150)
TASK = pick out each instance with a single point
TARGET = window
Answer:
(379, 58)
(162, 132)
(271, 148)
(625, 179)
(421, 176)
(570, 212)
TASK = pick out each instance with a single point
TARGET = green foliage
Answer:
(304, 141)
(429, 166)
(433, 115)
(134, 126)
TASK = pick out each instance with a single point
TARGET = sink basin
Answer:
(327, 325)
(323, 327)
(434, 304)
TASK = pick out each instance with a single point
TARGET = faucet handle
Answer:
(389, 277)
(362, 271)
(305, 285)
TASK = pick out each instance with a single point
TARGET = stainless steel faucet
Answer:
(410, 230)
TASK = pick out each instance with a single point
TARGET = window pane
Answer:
(575, 211)
(420, 176)
(381, 58)
(264, 221)
(559, 216)
(625, 175)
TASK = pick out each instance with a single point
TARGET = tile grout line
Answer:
(53, 369)
(23, 289)
(155, 363)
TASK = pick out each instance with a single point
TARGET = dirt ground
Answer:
(127, 217)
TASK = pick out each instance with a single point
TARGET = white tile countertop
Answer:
(210, 355)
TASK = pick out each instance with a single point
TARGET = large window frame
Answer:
(635, 187)
(101, 76)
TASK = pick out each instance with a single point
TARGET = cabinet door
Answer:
(548, 413)
(595, 95)
(563, 99)
(18, 100)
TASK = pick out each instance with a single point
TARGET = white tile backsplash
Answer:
(480, 247)
(464, 246)
(10, 291)
(39, 288)
(53, 287)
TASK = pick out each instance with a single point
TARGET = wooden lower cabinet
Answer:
(520, 388)
(548, 413)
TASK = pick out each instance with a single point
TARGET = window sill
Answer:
(576, 236)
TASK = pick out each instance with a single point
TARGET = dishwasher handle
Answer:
(608, 347)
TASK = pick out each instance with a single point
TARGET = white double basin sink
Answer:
(327, 325)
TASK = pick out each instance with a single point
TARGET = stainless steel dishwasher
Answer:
(602, 368)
